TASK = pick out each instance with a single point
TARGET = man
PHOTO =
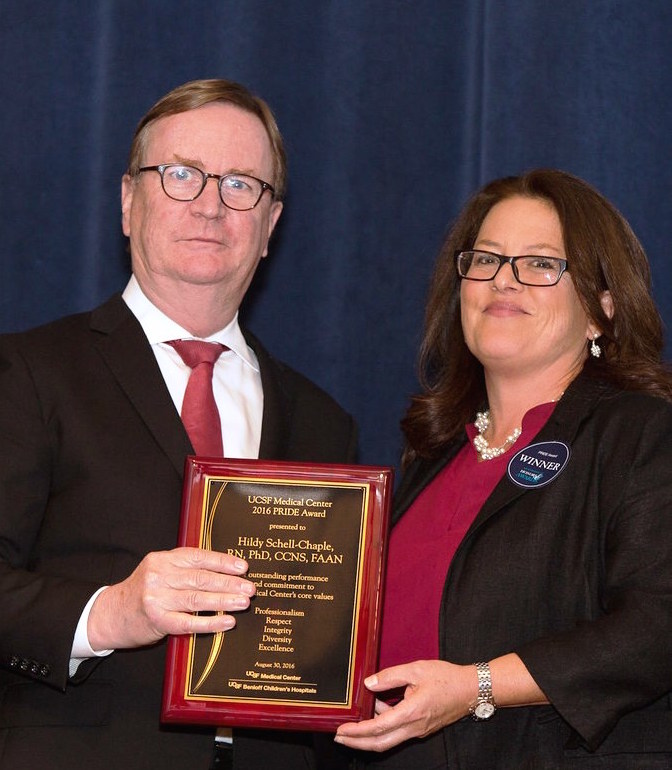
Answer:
(92, 454)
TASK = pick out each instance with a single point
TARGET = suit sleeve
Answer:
(620, 660)
(39, 610)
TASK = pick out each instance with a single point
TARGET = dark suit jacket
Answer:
(91, 461)
(576, 577)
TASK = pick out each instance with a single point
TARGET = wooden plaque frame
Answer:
(314, 536)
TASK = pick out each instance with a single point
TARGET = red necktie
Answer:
(199, 410)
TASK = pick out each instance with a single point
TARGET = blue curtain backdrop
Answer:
(393, 113)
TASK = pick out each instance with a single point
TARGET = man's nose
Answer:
(209, 202)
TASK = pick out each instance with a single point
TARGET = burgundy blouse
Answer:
(424, 542)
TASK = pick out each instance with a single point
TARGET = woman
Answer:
(528, 609)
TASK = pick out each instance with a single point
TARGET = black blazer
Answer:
(92, 451)
(576, 577)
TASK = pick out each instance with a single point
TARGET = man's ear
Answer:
(127, 187)
(273, 216)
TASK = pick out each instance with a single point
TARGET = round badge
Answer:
(538, 464)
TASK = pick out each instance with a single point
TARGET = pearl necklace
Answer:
(485, 451)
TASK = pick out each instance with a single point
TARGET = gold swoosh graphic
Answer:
(218, 636)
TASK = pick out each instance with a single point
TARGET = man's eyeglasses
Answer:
(529, 270)
(239, 192)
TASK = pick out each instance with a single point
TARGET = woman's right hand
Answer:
(436, 694)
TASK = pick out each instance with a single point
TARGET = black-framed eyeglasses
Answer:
(239, 192)
(529, 269)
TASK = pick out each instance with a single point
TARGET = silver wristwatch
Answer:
(484, 706)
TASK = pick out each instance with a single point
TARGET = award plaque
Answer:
(314, 538)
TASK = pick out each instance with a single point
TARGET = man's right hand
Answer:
(163, 594)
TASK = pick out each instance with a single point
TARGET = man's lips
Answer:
(196, 240)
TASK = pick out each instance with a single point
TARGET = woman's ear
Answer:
(607, 304)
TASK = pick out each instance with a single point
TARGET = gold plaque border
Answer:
(205, 540)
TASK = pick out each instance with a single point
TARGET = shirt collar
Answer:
(159, 328)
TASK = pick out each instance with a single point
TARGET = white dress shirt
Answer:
(236, 380)
(236, 384)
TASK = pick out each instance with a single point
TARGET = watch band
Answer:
(484, 706)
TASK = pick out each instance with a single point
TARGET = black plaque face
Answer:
(313, 539)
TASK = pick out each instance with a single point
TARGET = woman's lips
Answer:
(503, 309)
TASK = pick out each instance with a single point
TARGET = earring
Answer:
(595, 351)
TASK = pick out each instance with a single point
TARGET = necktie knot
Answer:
(195, 352)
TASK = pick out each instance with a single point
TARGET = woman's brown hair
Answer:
(603, 254)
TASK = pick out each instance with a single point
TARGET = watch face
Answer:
(484, 710)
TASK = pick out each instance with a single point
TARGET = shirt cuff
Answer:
(81, 649)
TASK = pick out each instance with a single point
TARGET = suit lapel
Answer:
(124, 348)
(419, 475)
(563, 426)
(276, 421)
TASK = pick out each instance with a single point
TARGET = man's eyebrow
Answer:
(187, 161)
